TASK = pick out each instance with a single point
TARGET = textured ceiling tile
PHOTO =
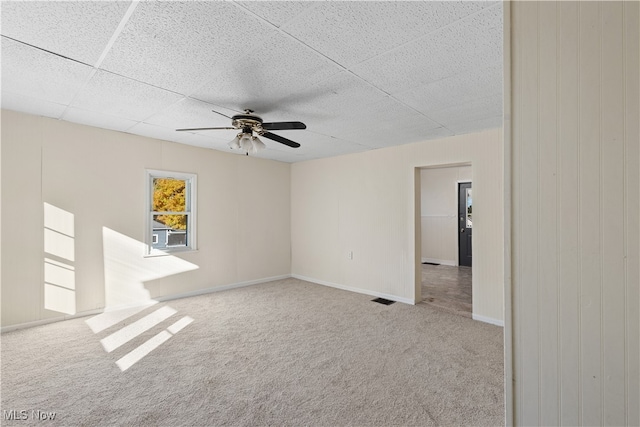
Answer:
(475, 110)
(386, 122)
(181, 45)
(278, 12)
(169, 134)
(421, 62)
(191, 113)
(33, 73)
(351, 32)
(118, 96)
(76, 29)
(25, 104)
(267, 78)
(341, 94)
(476, 126)
(314, 145)
(458, 89)
(91, 118)
(470, 43)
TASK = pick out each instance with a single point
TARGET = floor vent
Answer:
(383, 301)
(431, 263)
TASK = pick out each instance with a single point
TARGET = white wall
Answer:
(439, 212)
(97, 177)
(366, 203)
(575, 227)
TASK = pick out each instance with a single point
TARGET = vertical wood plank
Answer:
(589, 213)
(587, 226)
(568, 214)
(547, 211)
(631, 26)
(612, 227)
(526, 209)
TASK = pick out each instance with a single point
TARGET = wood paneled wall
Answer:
(575, 221)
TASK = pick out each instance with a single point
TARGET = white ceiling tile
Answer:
(340, 95)
(181, 45)
(475, 42)
(478, 109)
(122, 97)
(92, 118)
(417, 70)
(170, 134)
(314, 145)
(476, 126)
(25, 104)
(76, 29)
(458, 89)
(351, 32)
(191, 113)
(278, 12)
(386, 122)
(266, 78)
(37, 74)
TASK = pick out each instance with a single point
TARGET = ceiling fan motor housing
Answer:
(247, 122)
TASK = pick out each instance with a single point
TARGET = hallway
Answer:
(447, 288)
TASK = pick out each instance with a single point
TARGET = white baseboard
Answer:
(356, 290)
(440, 261)
(220, 288)
(49, 320)
(158, 299)
(488, 320)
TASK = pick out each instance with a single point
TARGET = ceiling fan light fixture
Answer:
(259, 145)
(235, 142)
(246, 144)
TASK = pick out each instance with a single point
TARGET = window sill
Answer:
(159, 253)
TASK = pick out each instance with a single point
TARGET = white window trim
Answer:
(191, 196)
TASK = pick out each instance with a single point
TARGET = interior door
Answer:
(465, 224)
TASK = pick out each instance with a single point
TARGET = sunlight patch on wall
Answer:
(59, 271)
(126, 270)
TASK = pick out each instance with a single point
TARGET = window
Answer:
(171, 202)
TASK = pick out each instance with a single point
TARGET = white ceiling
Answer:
(361, 75)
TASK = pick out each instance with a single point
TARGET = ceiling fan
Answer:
(248, 124)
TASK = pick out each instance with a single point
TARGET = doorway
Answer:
(444, 268)
(465, 207)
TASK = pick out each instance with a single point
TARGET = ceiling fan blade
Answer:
(281, 139)
(192, 129)
(283, 125)
(223, 115)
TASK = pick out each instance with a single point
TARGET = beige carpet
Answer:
(284, 353)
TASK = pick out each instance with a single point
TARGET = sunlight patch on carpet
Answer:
(151, 344)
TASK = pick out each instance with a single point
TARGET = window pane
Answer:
(169, 195)
(170, 229)
(469, 208)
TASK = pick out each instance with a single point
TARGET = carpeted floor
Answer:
(285, 353)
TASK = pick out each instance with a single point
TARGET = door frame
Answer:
(461, 181)
(417, 222)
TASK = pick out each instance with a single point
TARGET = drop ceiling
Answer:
(361, 75)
